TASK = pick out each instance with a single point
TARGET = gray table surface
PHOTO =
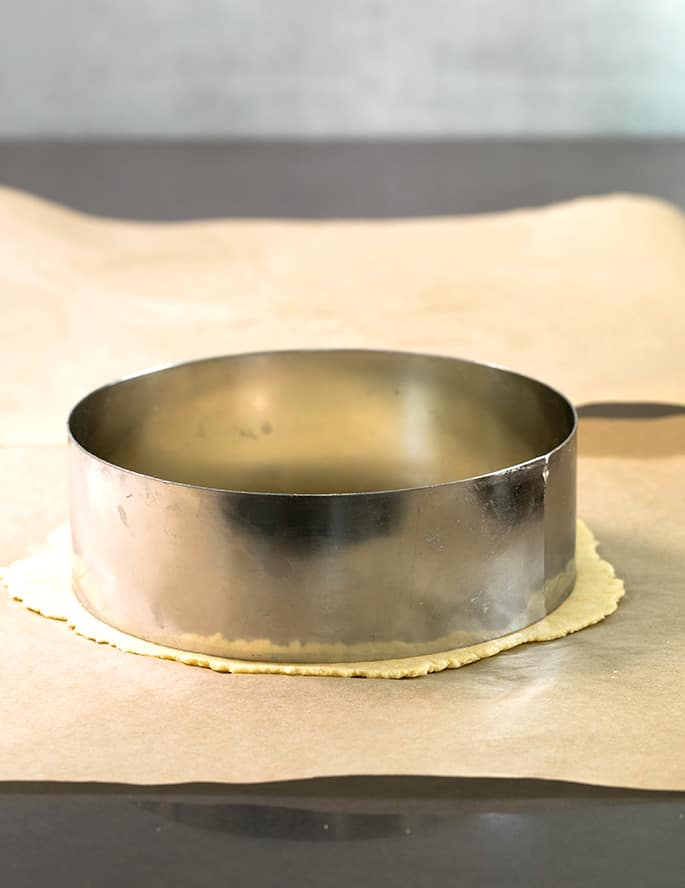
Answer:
(170, 180)
(370, 831)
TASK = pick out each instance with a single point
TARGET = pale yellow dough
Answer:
(42, 583)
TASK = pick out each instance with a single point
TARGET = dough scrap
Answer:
(42, 583)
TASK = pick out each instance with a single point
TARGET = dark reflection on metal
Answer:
(294, 824)
(299, 522)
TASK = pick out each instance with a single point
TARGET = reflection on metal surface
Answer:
(295, 824)
(337, 505)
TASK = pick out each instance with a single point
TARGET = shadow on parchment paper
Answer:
(619, 431)
(636, 431)
(631, 431)
(629, 410)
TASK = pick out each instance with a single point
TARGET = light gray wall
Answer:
(353, 67)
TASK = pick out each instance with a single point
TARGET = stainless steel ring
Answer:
(323, 505)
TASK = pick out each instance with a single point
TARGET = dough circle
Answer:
(42, 583)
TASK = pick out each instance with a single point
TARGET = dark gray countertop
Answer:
(169, 180)
(373, 831)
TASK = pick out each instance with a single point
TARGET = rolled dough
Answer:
(42, 583)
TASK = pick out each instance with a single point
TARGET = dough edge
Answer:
(41, 583)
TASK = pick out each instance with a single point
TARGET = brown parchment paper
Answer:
(587, 295)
